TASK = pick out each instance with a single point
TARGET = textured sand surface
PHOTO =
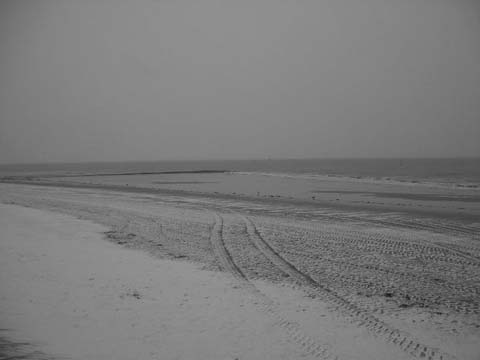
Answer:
(74, 295)
(324, 285)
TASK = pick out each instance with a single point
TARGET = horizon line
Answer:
(241, 159)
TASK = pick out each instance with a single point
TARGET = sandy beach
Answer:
(112, 273)
(73, 295)
(239, 180)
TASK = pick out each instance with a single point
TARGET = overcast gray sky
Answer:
(189, 79)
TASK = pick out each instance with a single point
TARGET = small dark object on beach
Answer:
(136, 294)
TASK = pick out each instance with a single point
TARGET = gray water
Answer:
(461, 172)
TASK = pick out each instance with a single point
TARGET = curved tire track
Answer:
(345, 267)
(344, 275)
(308, 344)
(391, 335)
(426, 251)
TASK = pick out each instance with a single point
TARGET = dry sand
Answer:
(74, 295)
(339, 285)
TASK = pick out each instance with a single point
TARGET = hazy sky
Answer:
(187, 79)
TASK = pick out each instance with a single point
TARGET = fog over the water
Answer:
(197, 79)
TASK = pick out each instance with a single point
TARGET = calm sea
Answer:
(461, 172)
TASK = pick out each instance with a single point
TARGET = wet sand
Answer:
(460, 205)
(361, 194)
(330, 281)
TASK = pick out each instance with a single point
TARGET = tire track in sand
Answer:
(308, 344)
(380, 329)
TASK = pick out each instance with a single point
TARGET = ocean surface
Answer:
(452, 173)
